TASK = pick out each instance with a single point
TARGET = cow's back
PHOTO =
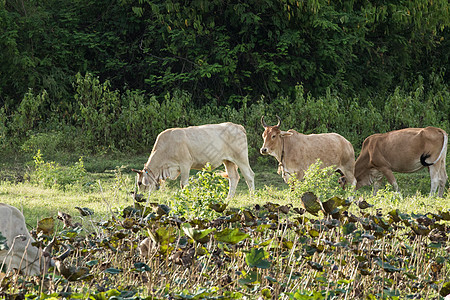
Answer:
(211, 143)
(401, 150)
(330, 148)
(23, 253)
(12, 222)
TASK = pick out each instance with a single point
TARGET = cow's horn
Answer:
(137, 171)
(262, 122)
(279, 122)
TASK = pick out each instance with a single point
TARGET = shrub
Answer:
(323, 182)
(53, 175)
(205, 189)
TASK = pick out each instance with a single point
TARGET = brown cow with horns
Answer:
(295, 151)
(405, 151)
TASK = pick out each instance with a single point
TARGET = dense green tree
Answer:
(104, 69)
(221, 50)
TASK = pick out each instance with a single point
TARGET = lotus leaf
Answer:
(46, 226)
(310, 203)
(200, 236)
(230, 236)
(257, 257)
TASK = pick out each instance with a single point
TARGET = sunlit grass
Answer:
(112, 262)
(111, 192)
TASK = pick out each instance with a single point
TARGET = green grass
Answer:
(111, 181)
(110, 255)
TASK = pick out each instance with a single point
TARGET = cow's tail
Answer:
(444, 147)
(423, 157)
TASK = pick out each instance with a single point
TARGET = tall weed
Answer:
(53, 175)
(321, 181)
(205, 189)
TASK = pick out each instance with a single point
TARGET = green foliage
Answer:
(53, 175)
(278, 253)
(97, 109)
(114, 75)
(321, 181)
(221, 51)
(257, 257)
(30, 113)
(386, 195)
(196, 200)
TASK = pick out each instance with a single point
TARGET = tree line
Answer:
(112, 74)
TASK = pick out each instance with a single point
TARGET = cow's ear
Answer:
(137, 171)
(285, 133)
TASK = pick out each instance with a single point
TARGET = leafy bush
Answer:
(205, 189)
(322, 182)
(53, 175)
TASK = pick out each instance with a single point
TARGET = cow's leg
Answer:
(438, 176)
(249, 175)
(349, 177)
(434, 177)
(443, 180)
(184, 176)
(390, 177)
(233, 177)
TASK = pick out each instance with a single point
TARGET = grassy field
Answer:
(263, 246)
(110, 183)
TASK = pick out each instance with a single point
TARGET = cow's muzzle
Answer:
(264, 151)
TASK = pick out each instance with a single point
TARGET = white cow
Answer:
(20, 253)
(177, 150)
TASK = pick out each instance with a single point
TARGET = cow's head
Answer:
(146, 180)
(366, 176)
(272, 136)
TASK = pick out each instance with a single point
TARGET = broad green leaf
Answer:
(445, 290)
(113, 271)
(46, 226)
(311, 203)
(257, 258)
(387, 266)
(266, 293)
(92, 263)
(251, 277)
(230, 236)
(348, 228)
(197, 235)
(141, 267)
(218, 207)
(84, 211)
(163, 235)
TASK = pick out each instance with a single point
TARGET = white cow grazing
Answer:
(21, 254)
(177, 150)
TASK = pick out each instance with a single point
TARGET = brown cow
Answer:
(178, 150)
(405, 151)
(295, 151)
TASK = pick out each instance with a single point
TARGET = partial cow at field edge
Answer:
(404, 151)
(21, 254)
(295, 151)
(178, 150)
